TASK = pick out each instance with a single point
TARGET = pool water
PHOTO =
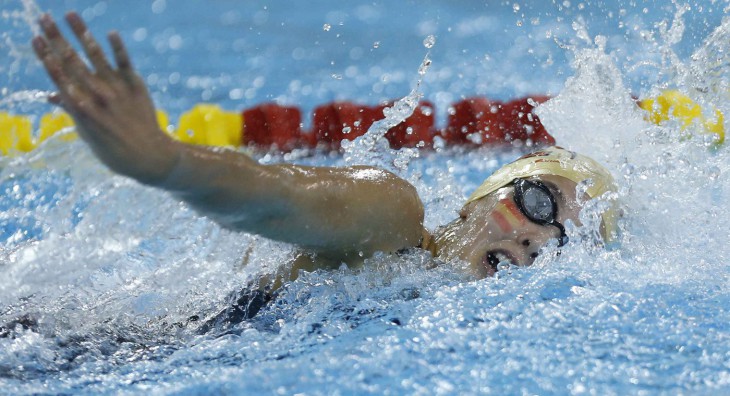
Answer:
(107, 269)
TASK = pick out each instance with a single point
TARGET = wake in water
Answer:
(101, 274)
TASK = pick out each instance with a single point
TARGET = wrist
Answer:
(174, 168)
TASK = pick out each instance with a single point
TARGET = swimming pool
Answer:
(106, 266)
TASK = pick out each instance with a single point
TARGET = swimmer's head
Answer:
(523, 206)
(557, 161)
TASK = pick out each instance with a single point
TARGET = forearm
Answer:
(333, 211)
(225, 185)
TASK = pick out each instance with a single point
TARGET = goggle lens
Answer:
(538, 204)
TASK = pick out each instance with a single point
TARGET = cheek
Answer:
(459, 243)
(469, 242)
(507, 216)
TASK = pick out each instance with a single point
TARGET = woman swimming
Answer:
(336, 215)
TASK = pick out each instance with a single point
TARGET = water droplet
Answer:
(158, 6)
(326, 27)
(515, 7)
(376, 44)
(713, 172)
(429, 41)
(424, 66)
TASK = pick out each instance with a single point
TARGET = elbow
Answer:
(413, 217)
(399, 223)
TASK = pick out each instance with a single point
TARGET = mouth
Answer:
(495, 257)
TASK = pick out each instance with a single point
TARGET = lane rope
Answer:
(475, 121)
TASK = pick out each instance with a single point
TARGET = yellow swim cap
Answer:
(559, 162)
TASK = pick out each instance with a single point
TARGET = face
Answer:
(493, 229)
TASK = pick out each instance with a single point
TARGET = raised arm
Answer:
(337, 212)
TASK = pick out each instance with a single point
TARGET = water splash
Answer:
(372, 148)
(31, 14)
(671, 183)
(707, 75)
(106, 268)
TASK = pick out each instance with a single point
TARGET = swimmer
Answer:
(334, 215)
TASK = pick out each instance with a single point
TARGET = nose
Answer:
(529, 247)
(532, 239)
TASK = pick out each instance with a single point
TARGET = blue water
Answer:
(106, 266)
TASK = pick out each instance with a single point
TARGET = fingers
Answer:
(70, 59)
(121, 56)
(78, 85)
(71, 95)
(52, 64)
(91, 46)
(58, 44)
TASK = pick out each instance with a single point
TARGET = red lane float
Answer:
(269, 124)
(338, 121)
(472, 121)
(481, 121)
(417, 130)
(518, 121)
(469, 118)
(332, 123)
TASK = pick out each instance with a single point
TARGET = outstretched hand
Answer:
(111, 106)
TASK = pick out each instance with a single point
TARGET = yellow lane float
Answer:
(209, 125)
(674, 105)
(204, 124)
(15, 134)
(52, 123)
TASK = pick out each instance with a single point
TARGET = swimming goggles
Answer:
(538, 204)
